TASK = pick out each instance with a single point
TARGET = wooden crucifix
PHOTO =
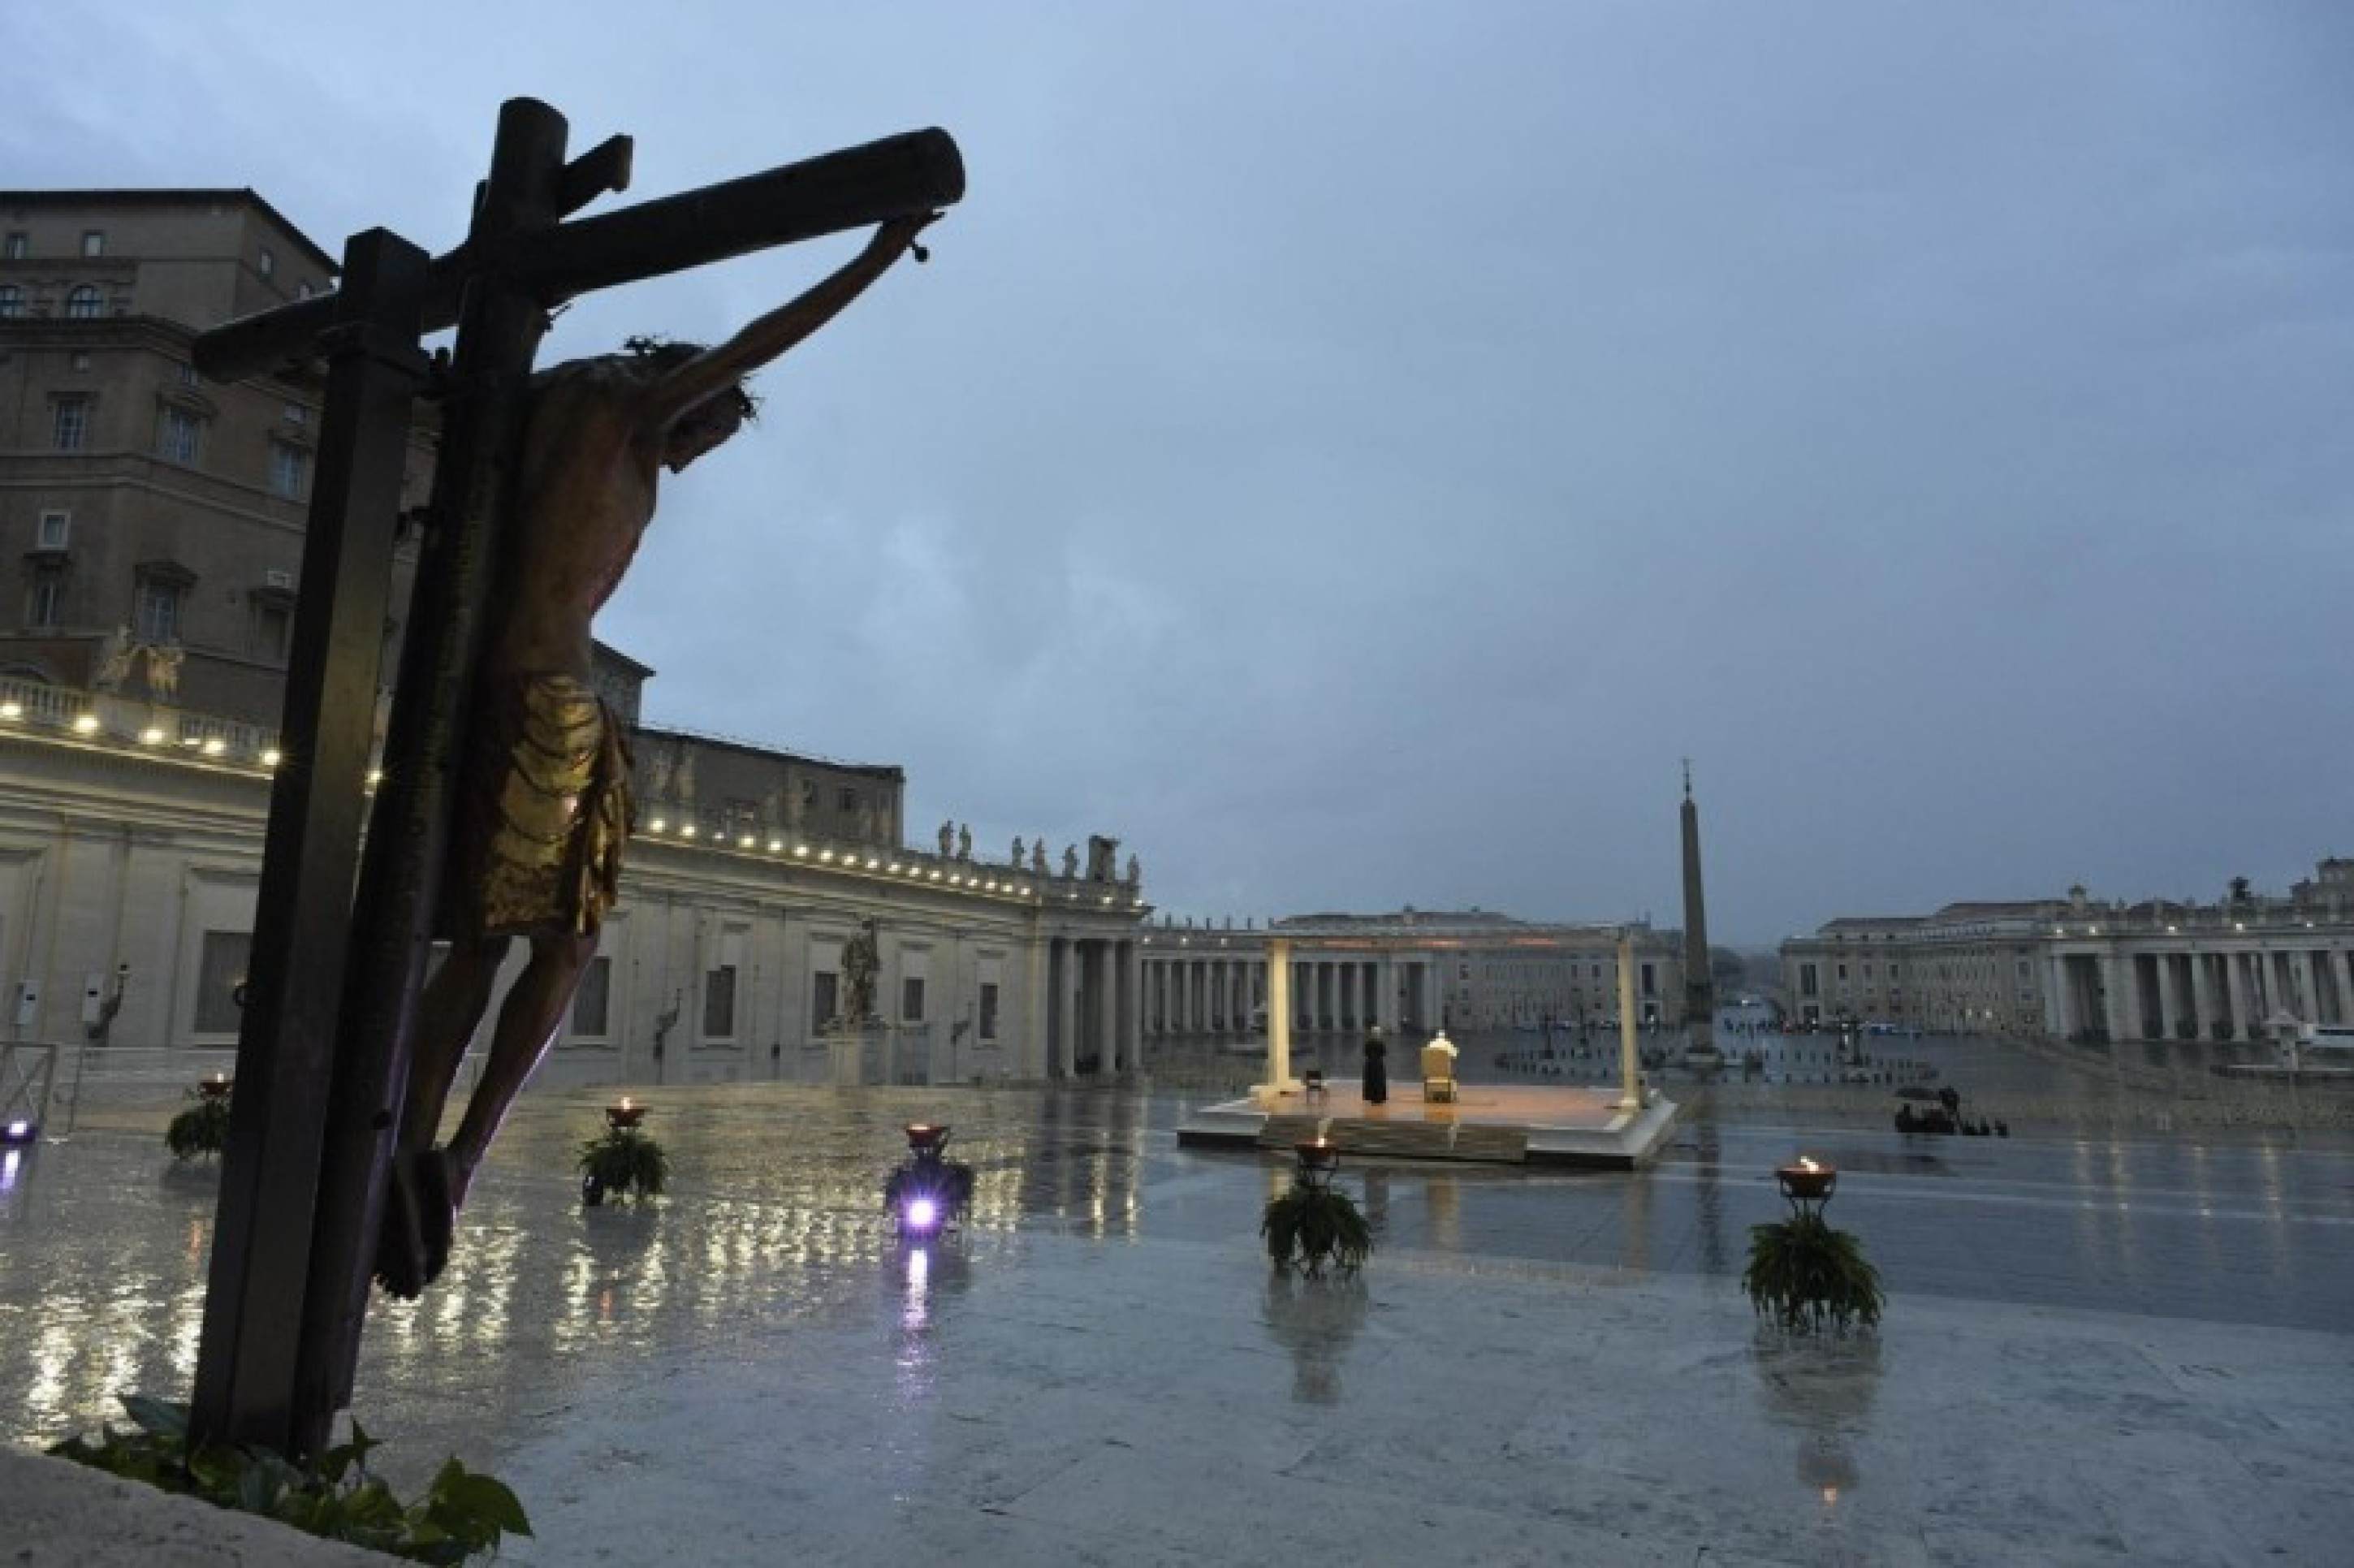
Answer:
(539, 492)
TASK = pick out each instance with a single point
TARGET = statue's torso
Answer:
(583, 496)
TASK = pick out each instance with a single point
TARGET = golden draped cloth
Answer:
(542, 812)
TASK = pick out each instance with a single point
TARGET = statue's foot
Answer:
(400, 1256)
(420, 1223)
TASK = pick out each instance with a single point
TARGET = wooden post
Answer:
(254, 1298)
(498, 334)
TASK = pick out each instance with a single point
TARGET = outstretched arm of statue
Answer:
(715, 370)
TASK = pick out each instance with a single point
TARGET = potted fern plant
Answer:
(1315, 1224)
(623, 1162)
(203, 1128)
(1804, 1275)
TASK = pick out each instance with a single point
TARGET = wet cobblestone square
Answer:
(2117, 1348)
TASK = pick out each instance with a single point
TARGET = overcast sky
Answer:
(1351, 452)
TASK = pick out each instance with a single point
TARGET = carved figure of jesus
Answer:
(542, 807)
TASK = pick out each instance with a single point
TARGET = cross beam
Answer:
(324, 1052)
(898, 176)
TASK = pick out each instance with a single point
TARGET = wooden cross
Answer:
(323, 1054)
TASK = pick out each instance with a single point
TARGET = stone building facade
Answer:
(153, 520)
(128, 859)
(158, 520)
(1410, 972)
(2240, 968)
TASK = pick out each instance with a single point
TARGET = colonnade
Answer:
(1094, 991)
(1215, 993)
(2231, 994)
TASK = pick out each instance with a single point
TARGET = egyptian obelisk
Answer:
(1700, 986)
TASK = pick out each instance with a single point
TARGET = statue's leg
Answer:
(447, 1014)
(528, 1022)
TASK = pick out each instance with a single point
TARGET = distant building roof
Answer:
(890, 771)
(171, 196)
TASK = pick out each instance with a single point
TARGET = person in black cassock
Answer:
(1377, 1073)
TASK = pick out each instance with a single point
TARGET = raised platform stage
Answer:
(1503, 1124)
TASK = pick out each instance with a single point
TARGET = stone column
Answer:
(2342, 966)
(1278, 1018)
(1126, 1043)
(2235, 975)
(1107, 1014)
(2169, 1002)
(2059, 1006)
(1062, 1049)
(2202, 994)
(2308, 1000)
(1630, 1088)
(2123, 999)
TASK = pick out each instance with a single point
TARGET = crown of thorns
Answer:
(662, 351)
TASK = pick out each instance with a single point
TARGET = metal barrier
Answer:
(153, 1078)
(28, 1078)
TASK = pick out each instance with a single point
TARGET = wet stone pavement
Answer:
(2099, 1350)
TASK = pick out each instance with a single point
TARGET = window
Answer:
(988, 1010)
(295, 414)
(18, 244)
(302, 290)
(220, 980)
(188, 377)
(70, 427)
(1650, 981)
(45, 606)
(81, 362)
(179, 436)
(847, 799)
(719, 1004)
(824, 1001)
(94, 242)
(592, 1002)
(911, 999)
(1842, 971)
(12, 302)
(289, 466)
(83, 303)
(268, 263)
(273, 631)
(55, 528)
(159, 611)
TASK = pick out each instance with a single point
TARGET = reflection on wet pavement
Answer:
(775, 1226)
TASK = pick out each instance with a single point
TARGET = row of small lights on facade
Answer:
(87, 725)
(2170, 930)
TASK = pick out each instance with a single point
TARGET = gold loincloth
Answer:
(543, 812)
